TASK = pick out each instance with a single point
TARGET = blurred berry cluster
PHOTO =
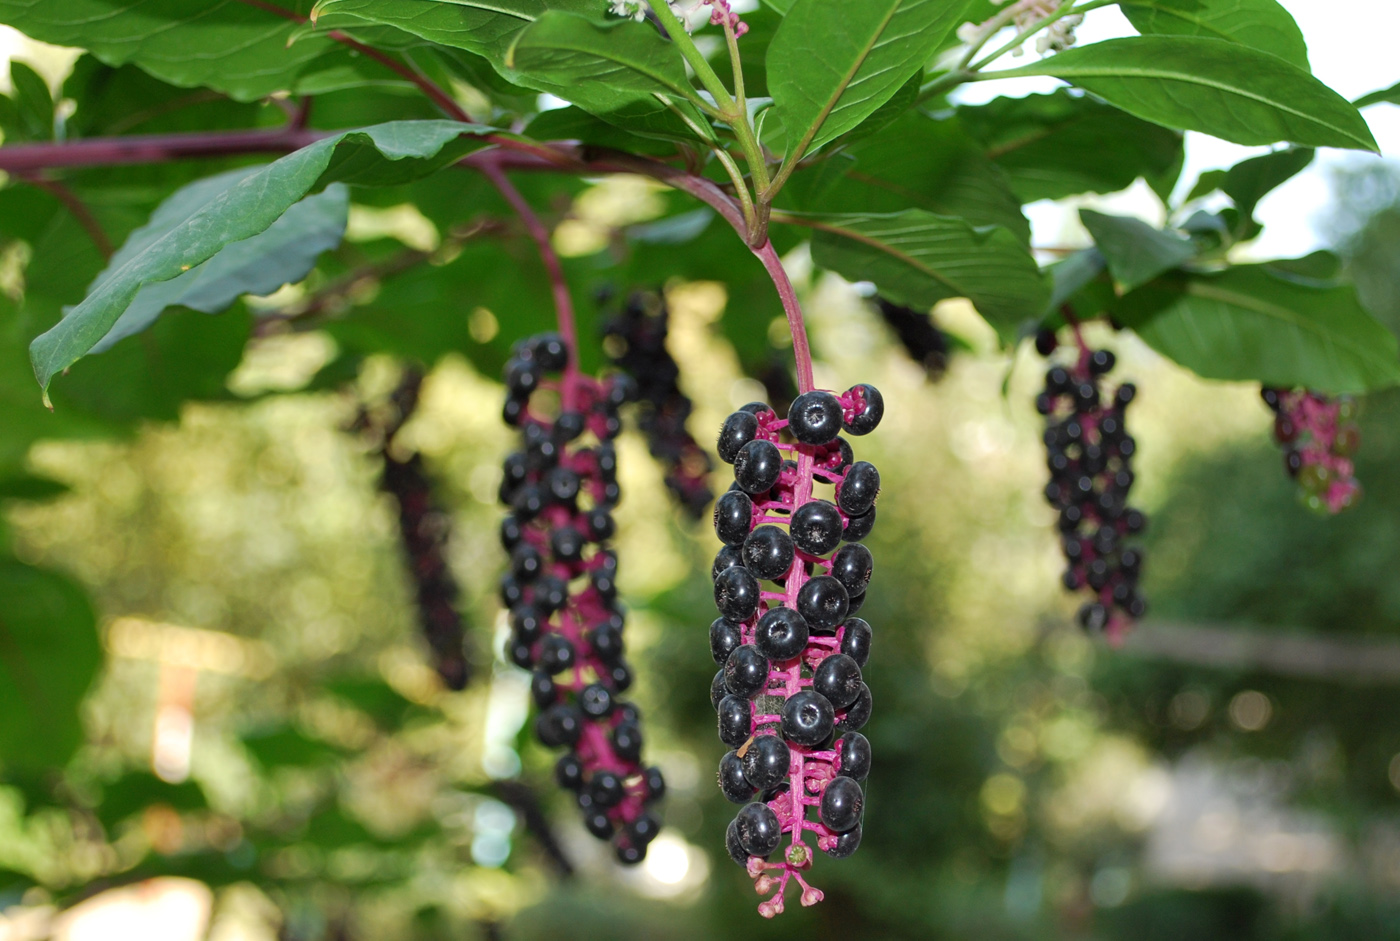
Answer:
(1319, 436)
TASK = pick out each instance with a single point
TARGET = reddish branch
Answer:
(78, 209)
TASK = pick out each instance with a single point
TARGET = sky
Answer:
(1350, 44)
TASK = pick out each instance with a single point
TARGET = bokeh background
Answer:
(266, 753)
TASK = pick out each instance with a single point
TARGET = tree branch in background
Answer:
(1346, 659)
(78, 209)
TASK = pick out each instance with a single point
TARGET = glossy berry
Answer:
(732, 846)
(733, 517)
(815, 417)
(568, 771)
(808, 718)
(857, 713)
(846, 844)
(822, 602)
(627, 741)
(732, 783)
(606, 789)
(757, 466)
(607, 642)
(859, 527)
(739, 429)
(768, 551)
(855, 640)
(858, 491)
(559, 725)
(852, 566)
(556, 654)
(781, 634)
(596, 701)
(766, 762)
(758, 829)
(842, 804)
(724, 637)
(854, 750)
(737, 594)
(866, 411)
(1045, 341)
(727, 557)
(746, 671)
(735, 720)
(838, 679)
(718, 689)
(816, 527)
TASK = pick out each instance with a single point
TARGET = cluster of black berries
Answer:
(1090, 456)
(636, 343)
(789, 693)
(566, 624)
(424, 528)
(923, 341)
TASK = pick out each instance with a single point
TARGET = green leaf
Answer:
(900, 104)
(49, 654)
(1066, 143)
(1134, 251)
(917, 259)
(281, 747)
(917, 163)
(283, 254)
(30, 488)
(1071, 275)
(1264, 324)
(1210, 85)
(1261, 24)
(135, 791)
(485, 27)
(1207, 183)
(828, 71)
(1389, 95)
(616, 71)
(238, 48)
(1251, 180)
(382, 155)
(33, 103)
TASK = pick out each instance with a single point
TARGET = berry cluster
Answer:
(636, 343)
(923, 341)
(561, 589)
(424, 528)
(791, 658)
(1318, 435)
(1090, 455)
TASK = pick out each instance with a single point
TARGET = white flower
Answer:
(636, 9)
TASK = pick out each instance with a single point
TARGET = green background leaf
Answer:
(49, 654)
(1254, 323)
(829, 71)
(1209, 85)
(917, 258)
(1262, 24)
(386, 154)
(1135, 251)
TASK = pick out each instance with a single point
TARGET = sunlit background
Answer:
(269, 755)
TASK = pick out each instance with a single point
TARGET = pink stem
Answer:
(792, 307)
(563, 302)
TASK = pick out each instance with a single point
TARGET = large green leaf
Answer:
(49, 654)
(918, 259)
(484, 27)
(1262, 24)
(1134, 251)
(33, 105)
(1065, 143)
(1265, 324)
(623, 71)
(916, 163)
(385, 154)
(283, 254)
(1213, 86)
(829, 70)
(238, 48)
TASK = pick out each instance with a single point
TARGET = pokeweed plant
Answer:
(803, 120)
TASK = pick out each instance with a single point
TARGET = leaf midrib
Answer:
(845, 83)
(1074, 71)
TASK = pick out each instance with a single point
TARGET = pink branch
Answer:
(563, 302)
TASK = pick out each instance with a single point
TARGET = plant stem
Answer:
(1066, 8)
(563, 302)
(676, 30)
(797, 326)
(153, 148)
(741, 189)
